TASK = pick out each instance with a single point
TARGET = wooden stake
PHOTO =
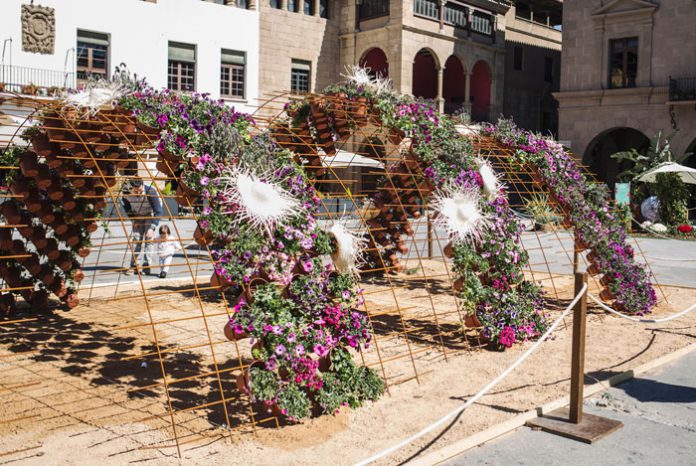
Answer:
(577, 368)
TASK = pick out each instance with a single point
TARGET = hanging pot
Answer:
(53, 160)
(472, 321)
(20, 188)
(606, 295)
(32, 264)
(449, 250)
(71, 299)
(46, 214)
(29, 164)
(41, 145)
(7, 304)
(55, 192)
(51, 251)
(58, 287)
(219, 282)
(5, 238)
(76, 272)
(64, 261)
(202, 238)
(232, 335)
(83, 251)
(458, 284)
(47, 275)
(91, 226)
(593, 269)
(164, 167)
(39, 237)
(606, 280)
(11, 213)
(43, 178)
(39, 300)
(59, 225)
(34, 202)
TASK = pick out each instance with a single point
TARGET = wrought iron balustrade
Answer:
(682, 89)
(16, 77)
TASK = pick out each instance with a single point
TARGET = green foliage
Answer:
(293, 401)
(673, 195)
(264, 384)
(541, 210)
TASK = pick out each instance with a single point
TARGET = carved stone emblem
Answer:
(38, 29)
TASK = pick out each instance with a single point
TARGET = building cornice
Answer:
(655, 95)
(492, 48)
(641, 9)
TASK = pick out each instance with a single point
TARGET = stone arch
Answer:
(376, 60)
(425, 67)
(599, 150)
(454, 84)
(481, 81)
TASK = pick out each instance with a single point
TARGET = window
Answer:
(373, 9)
(92, 55)
(427, 8)
(307, 7)
(300, 77)
(324, 8)
(548, 69)
(456, 15)
(232, 74)
(181, 75)
(518, 58)
(623, 62)
(274, 4)
(482, 23)
(292, 5)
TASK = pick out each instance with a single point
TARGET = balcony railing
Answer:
(15, 78)
(682, 89)
(455, 15)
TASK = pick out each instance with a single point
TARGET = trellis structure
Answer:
(154, 351)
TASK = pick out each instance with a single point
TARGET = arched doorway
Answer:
(480, 91)
(376, 61)
(599, 151)
(424, 75)
(454, 85)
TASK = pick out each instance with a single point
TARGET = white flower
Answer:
(459, 213)
(349, 247)
(360, 76)
(97, 95)
(258, 199)
(491, 182)
(658, 228)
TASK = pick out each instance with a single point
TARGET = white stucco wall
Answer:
(139, 33)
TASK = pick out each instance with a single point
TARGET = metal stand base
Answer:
(589, 430)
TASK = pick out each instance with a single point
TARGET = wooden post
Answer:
(430, 238)
(576, 257)
(577, 368)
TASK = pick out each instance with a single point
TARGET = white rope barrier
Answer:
(482, 392)
(637, 319)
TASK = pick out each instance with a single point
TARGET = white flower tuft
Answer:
(258, 199)
(360, 76)
(350, 247)
(459, 213)
(491, 180)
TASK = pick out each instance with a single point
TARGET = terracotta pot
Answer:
(41, 144)
(64, 261)
(11, 213)
(52, 159)
(7, 304)
(165, 167)
(46, 214)
(91, 226)
(68, 203)
(58, 287)
(5, 238)
(218, 281)
(395, 136)
(593, 269)
(201, 237)
(39, 237)
(77, 274)
(47, 275)
(17, 248)
(77, 216)
(32, 264)
(566, 223)
(472, 321)
(39, 300)
(71, 299)
(51, 251)
(580, 245)
(20, 188)
(55, 192)
(458, 284)
(34, 202)
(606, 279)
(29, 164)
(44, 180)
(83, 251)
(448, 250)
(242, 382)
(606, 295)
(232, 335)
(59, 225)
(13, 277)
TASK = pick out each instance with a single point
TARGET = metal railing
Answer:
(373, 9)
(682, 89)
(15, 78)
(482, 23)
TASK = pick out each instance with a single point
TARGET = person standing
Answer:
(166, 248)
(144, 207)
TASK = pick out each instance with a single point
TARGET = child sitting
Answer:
(165, 250)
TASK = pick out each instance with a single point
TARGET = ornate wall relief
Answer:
(38, 29)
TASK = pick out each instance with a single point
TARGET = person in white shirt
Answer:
(165, 250)
(144, 207)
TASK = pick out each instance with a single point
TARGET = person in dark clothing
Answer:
(144, 206)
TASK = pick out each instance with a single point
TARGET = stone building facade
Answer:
(450, 51)
(628, 72)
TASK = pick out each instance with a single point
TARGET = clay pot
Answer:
(38, 237)
(217, 281)
(20, 188)
(448, 250)
(83, 251)
(472, 321)
(580, 245)
(606, 295)
(32, 264)
(51, 250)
(11, 213)
(77, 274)
(606, 280)
(53, 161)
(55, 192)
(5, 238)
(39, 300)
(34, 202)
(46, 214)
(201, 237)
(395, 136)
(29, 164)
(44, 179)
(59, 225)
(64, 261)
(91, 226)
(458, 284)
(41, 145)
(46, 275)
(71, 299)
(68, 203)
(72, 236)
(232, 335)
(593, 269)
(7, 304)
(17, 248)
(165, 167)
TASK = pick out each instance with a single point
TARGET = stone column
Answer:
(440, 100)
(282, 5)
(315, 8)
(467, 92)
(442, 14)
(251, 4)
